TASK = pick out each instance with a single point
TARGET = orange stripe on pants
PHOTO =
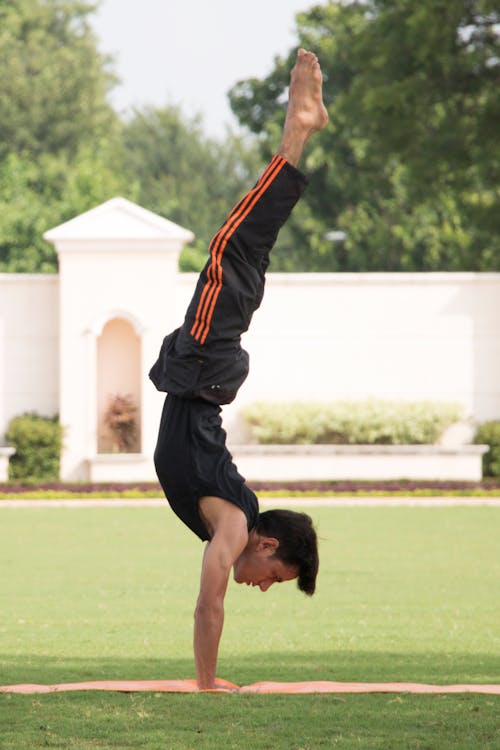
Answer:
(213, 285)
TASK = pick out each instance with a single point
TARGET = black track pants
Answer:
(203, 358)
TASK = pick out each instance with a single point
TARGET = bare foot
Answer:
(306, 113)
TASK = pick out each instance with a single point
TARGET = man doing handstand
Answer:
(201, 365)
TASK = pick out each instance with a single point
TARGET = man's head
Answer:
(282, 546)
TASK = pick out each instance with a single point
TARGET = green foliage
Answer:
(407, 167)
(185, 176)
(38, 194)
(53, 99)
(409, 163)
(59, 150)
(489, 434)
(38, 442)
(344, 422)
(64, 150)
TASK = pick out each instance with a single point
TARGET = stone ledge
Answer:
(359, 462)
(380, 450)
(119, 458)
(316, 462)
(121, 467)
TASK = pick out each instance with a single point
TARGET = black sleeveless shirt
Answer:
(192, 461)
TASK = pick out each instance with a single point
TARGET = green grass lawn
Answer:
(404, 594)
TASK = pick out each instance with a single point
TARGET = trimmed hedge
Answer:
(38, 443)
(489, 434)
(350, 422)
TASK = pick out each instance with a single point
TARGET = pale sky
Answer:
(190, 52)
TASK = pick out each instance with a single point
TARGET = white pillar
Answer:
(116, 260)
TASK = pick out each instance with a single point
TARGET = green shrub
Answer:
(38, 442)
(355, 422)
(489, 434)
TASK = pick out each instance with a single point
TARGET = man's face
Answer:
(257, 566)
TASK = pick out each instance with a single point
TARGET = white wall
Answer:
(98, 286)
(316, 336)
(403, 336)
(29, 345)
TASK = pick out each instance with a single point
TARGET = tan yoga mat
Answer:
(223, 686)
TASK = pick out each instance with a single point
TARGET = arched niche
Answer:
(118, 384)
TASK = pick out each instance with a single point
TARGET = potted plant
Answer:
(120, 419)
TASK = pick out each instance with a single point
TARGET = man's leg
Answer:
(231, 285)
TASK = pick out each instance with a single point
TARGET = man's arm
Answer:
(228, 541)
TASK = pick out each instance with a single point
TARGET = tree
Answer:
(430, 101)
(431, 95)
(185, 176)
(58, 135)
(53, 95)
(63, 149)
(36, 195)
(408, 165)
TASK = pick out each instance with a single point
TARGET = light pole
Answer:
(338, 237)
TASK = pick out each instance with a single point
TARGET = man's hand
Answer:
(228, 526)
(222, 686)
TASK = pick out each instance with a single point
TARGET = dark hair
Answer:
(298, 543)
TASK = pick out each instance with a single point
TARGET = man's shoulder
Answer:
(220, 516)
